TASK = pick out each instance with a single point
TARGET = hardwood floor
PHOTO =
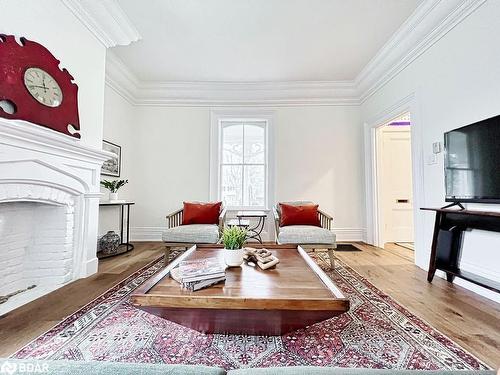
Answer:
(468, 319)
(29, 321)
(400, 250)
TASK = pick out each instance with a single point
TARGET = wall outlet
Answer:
(436, 147)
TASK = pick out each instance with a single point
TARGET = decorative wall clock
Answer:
(33, 87)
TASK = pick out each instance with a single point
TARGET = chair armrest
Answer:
(276, 220)
(222, 220)
(325, 220)
(175, 218)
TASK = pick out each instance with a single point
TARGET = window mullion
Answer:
(243, 167)
(221, 148)
(243, 143)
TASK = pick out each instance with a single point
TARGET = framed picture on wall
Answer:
(112, 166)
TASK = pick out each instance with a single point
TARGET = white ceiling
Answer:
(258, 40)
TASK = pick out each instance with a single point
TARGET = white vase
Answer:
(233, 258)
(113, 196)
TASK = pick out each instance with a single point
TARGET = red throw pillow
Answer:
(201, 213)
(299, 215)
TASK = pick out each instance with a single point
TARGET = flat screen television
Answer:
(472, 162)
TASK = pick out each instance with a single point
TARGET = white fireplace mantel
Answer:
(41, 165)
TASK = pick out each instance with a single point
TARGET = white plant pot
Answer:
(113, 196)
(233, 258)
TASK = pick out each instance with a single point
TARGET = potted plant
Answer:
(233, 239)
(113, 187)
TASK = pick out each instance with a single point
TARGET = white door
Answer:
(395, 184)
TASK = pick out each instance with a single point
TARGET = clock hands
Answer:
(45, 88)
(43, 83)
(41, 87)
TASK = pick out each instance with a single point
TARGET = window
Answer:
(242, 162)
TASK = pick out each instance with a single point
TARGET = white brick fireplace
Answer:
(49, 200)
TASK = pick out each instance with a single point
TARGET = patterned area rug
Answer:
(376, 333)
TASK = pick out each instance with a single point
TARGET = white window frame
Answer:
(216, 120)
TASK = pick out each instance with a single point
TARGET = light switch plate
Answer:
(436, 147)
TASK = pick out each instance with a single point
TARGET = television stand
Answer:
(446, 249)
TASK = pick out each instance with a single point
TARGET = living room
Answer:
(274, 109)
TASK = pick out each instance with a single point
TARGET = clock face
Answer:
(43, 87)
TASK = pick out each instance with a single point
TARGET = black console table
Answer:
(256, 231)
(447, 241)
(125, 246)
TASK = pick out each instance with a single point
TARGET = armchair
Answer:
(178, 235)
(307, 236)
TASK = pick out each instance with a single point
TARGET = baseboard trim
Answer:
(89, 268)
(144, 234)
(350, 234)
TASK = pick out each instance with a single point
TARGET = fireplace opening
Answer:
(36, 250)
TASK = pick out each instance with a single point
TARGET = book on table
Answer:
(197, 285)
(201, 269)
(198, 274)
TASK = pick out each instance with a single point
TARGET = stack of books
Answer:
(198, 274)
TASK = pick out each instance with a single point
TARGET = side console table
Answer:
(125, 246)
(447, 242)
(243, 220)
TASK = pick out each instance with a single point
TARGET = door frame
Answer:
(409, 104)
(379, 183)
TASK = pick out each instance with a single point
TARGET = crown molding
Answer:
(120, 78)
(106, 20)
(432, 20)
(213, 94)
(246, 93)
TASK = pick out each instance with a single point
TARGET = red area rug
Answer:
(376, 333)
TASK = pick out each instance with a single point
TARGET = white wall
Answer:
(318, 156)
(54, 26)
(171, 166)
(119, 128)
(458, 83)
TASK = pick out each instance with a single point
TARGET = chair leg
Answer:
(332, 258)
(167, 255)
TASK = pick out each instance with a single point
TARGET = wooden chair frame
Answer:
(326, 223)
(174, 219)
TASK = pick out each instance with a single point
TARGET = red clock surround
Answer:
(15, 59)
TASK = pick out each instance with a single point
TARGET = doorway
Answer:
(394, 184)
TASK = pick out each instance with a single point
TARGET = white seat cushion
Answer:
(305, 234)
(192, 234)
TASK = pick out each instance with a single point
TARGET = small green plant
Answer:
(114, 185)
(233, 238)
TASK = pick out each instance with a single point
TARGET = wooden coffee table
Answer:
(295, 294)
